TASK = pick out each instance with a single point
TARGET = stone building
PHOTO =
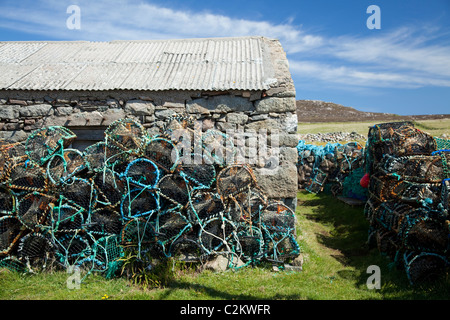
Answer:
(227, 84)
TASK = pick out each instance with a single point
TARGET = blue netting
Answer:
(408, 198)
(335, 166)
(134, 193)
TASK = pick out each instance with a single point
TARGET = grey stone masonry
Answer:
(272, 112)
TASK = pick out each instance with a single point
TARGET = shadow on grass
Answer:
(213, 293)
(348, 237)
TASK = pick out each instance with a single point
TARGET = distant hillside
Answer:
(320, 111)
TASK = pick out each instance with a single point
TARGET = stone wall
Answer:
(90, 112)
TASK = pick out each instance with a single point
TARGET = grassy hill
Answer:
(320, 111)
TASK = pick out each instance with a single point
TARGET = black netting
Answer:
(173, 190)
(235, 179)
(408, 204)
(127, 134)
(423, 267)
(10, 233)
(66, 218)
(34, 210)
(176, 194)
(105, 221)
(139, 203)
(63, 166)
(80, 192)
(43, 143)
(109, 187)
(163, 153)
(25, 176)
(142, 173)
(36, 249)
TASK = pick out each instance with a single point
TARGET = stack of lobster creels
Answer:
(340, 166)
(409, 198)
(134, 193)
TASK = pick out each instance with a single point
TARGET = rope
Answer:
(109, 200)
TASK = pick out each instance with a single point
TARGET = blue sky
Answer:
(402, 68)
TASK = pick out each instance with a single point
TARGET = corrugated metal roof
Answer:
(189, 64)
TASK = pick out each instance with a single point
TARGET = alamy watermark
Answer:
(73, 22)
(374, 21)
(374, 280)
(74, 280)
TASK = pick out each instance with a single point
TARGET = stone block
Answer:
(288, 154)
(275, 104)
(197, 109)
(9, 112)
(222, 262)
(207, 124)
(111, 115)
(112, 103)
(258, 117)
(219, 104)
(149, 119)
(64, 111)
(164, 114)
(268, 124)
(289, 123)
(139, 108)
(55, 121)
(85, 119)
(174, 105)
(279, 182)
(255, 96)
(18, 102)
(280, 92)
(13, 136)
(224, 126)
(11, 126)
(238, 118)
(37, 110)
(288, 139)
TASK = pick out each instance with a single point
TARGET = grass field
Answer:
(432, 127)
(332, 236)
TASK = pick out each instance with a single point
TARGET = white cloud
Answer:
(132, 19)
(405, 57)
(405, 48)
(361, 76)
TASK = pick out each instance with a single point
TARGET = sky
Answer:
(395, 59)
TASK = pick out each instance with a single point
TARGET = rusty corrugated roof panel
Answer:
(241, 63)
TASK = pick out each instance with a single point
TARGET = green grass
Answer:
(432, 127)
(332, 236)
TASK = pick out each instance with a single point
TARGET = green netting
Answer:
(36, 249)
(13, 264)
(336, 166)
(424, 266)
(134, 193)
(408, 198)
(442, 144)
(43, 143)
(10, 233)
(351, 187)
